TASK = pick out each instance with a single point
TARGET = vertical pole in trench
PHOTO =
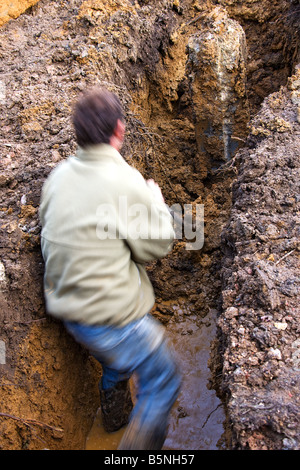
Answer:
(217, 73)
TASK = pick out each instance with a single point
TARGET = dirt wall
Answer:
(10, 9)
(261, 280)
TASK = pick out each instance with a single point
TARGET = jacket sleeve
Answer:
(149, 227)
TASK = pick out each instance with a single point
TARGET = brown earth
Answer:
(260, 274)
(188, 101)
(13, 8)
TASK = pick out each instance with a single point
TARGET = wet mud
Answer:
(198, 419)
(211, 128)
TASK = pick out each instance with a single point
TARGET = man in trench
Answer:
(101, 222)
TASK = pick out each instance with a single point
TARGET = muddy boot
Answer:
(116, 406)
(137, 439)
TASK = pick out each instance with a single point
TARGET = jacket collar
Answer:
(101, 152)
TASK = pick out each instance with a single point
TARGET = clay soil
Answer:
(247, 272)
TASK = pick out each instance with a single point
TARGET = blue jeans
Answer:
(139, 348)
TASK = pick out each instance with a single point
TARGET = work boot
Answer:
(116, 406)
(136, 438)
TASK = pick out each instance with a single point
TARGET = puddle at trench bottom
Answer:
(99, 439)
(197, 417)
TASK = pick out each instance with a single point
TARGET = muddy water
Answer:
(197, 417)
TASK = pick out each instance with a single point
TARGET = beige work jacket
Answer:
(100, 224)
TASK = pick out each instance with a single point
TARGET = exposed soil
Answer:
(261, 280)
(246, 271)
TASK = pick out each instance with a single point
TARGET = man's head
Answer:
(98, 119)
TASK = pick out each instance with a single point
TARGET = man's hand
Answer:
(155, 190)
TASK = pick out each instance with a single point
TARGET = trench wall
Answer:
(260, 272)
(10, 9)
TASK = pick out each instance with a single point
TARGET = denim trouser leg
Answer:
(140, 348)
(110, 377)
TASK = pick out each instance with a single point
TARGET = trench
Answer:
(187, 282)
(197, 417)
(188, 147)
(176, 153)
(178, 136)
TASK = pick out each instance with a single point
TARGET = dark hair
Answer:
(95, 117)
